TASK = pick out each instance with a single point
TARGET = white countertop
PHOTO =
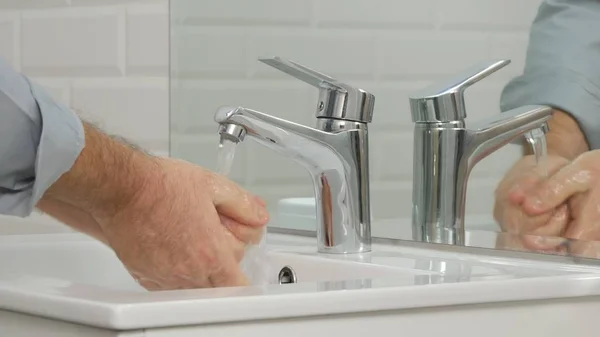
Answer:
(100, 293)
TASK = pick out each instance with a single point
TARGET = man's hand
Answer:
(565, 142)
(187, 229)
(510, 194)
(174, 225)
(577, 184)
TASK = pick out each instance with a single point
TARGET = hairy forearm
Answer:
(106, 177)
(565, 137)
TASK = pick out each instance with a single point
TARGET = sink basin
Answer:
(86, 262)
(74, 285)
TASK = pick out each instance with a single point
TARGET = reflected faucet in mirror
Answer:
(446, 150)
(336, 153)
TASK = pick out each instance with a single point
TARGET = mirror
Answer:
(387, 50)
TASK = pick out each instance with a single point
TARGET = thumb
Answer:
(245, 234)
(232, 200)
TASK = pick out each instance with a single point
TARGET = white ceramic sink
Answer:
(82, 261)
(70, 285)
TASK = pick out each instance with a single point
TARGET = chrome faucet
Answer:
(336, 153)
(446, 150)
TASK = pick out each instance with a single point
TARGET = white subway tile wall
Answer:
(106, 58)
(388, 47)
(109, 60)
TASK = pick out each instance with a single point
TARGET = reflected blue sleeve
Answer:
(40, 139)
(562, 67)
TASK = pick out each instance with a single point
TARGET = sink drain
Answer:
(287, 275)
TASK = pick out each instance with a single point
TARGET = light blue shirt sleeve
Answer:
(40, 139)
(562, 67)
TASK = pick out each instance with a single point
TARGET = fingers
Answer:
(586, 225)
(512, 219)
(558, 189)
(150, 285)
(229, 275)
(585, 249)
(201, 259)
(520, 186)
(550, 224)
(542, 244)
(513, 189)
(556, 225)
(245, 234)
(509, 241)
(548, 236)
(528, 181)
(235, 202)
(222, 264)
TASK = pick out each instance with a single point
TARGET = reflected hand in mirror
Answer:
(565, 204)
(521, 179)
(577, 185)
(548, 245)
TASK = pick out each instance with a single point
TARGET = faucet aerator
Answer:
(232, 132)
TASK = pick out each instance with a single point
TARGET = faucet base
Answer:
(439, 235)
(336, 251)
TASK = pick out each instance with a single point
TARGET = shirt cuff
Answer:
(62, 140)
(564, 91)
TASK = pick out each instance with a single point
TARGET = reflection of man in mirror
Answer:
(562, 70)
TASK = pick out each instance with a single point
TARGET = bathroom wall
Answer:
(387, 47)
(106, 58)
(109, 59)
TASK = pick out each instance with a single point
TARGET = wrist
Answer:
(107, 176)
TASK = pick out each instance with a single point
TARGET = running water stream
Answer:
(225, 156)
(537, 140)
(254, 264)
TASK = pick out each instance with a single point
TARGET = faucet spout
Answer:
(270, 130)
(336, 157)
(493, 133)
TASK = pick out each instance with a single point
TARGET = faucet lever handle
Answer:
(444, 101)
(304, 74)
(336, 100)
